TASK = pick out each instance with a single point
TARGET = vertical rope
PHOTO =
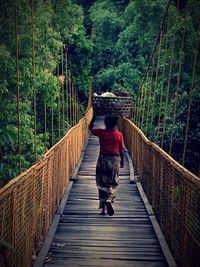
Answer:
(52, 126)
(149, 96)
(63, 95)
(138, 106)
(163, 78)
(17, 87)
(154, 48)
(33, 75)
(45, 124)
(67, 84)
(190, 97)
(177, 90)
(77, 117)
(74, 104)
(155, 84)
(170, 72)
(134, 110)
(75, 120)
(70, 99)
(145, 95)
(141, 105)
(168, 87)
(58, 88)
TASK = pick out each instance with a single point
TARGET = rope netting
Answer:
(163, 111)
(173, 191)
(29, 202)
(164, 103)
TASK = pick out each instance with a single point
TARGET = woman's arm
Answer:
(92, 123)
(121, 159)
(121, 151)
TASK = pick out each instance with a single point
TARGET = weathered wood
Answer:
(102, 262)
(85, 238)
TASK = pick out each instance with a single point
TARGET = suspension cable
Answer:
(52, 126)
(177, 90)
(168, 86)
(155, 45)
(63, 94)
(17, 87)
(163, 78)
(145, 96)
(140, 106)
(33, 75)
(58, 88)
(70, 99)
(67, 83)
(190, 97)
(149, 96)
(73, 100)
(45, 124)
(155, 83)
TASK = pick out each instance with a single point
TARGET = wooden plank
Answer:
(130, 163)
(85, 238)
(102, 263)
(46, 245)
(165, 248)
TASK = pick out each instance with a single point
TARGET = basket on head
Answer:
(112, 106)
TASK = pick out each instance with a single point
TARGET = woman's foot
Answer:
(103, 211)
(109, 207)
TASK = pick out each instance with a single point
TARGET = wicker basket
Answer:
(112, 106)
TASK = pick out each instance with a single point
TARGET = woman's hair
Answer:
(110, 122)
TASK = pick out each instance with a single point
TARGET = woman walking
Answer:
(111, 158)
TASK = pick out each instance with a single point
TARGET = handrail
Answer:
(173, 191)
(29, 202)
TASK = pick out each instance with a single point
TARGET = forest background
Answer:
(104, 42)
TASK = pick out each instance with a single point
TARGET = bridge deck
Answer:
(85, 238)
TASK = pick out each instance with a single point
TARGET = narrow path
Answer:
(85, 238)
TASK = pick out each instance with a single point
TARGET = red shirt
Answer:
(111, 141)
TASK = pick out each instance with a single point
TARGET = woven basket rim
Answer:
(110, 97)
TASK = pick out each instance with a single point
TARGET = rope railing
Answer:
(29, 202)
(164, 103)
(173, 191)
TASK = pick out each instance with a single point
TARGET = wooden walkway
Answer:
(85, 238)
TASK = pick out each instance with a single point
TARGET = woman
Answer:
(111, 157)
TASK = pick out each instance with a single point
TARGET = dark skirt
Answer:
(107, 178)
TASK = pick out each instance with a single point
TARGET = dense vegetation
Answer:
(124, 34)
(107, 39)
(56, 23)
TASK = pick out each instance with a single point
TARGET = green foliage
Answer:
(124, 35)
(68, 20)
(56, 23)
(123, 39)
(124, 75)
(185, 22)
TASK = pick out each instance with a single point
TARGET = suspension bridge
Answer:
(48, 214)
